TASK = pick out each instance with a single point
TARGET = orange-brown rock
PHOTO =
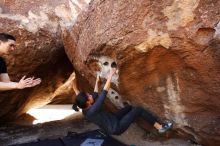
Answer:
(37, 26)
(167, 53)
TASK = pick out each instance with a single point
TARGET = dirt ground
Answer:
(15, 134)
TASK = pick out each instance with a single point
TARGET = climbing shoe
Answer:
(165, 127)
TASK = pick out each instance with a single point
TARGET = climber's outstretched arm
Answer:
(96, 89)
(75, 87)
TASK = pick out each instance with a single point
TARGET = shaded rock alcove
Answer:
(37, 26)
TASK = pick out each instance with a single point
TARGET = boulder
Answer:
(167, 55)
(37, 26)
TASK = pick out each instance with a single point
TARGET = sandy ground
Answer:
(15, 134)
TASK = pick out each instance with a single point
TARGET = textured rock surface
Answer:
(167, 54)
(37, 26)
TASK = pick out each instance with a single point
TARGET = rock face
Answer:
(37, 25)
(167, 53)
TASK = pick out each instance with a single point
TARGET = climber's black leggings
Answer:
(128, 114)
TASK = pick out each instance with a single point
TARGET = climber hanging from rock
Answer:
(111, 123)
(7, 45)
